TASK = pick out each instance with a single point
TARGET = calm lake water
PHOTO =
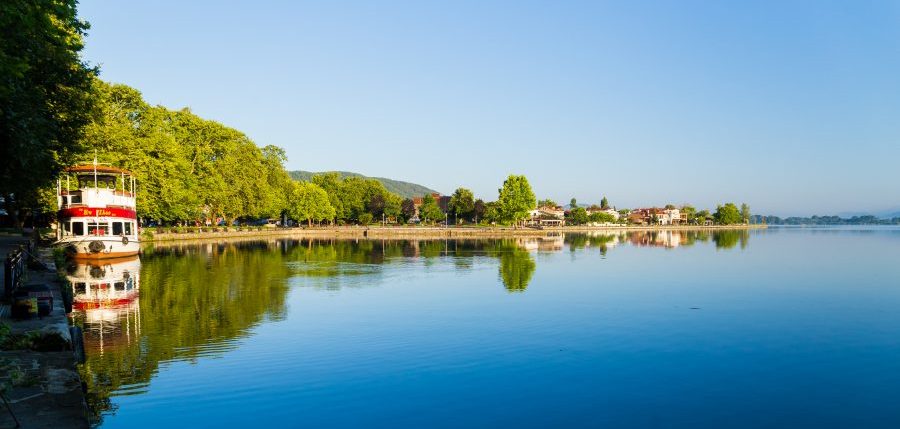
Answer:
(778, 328)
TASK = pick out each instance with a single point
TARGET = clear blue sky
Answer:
(793, 107)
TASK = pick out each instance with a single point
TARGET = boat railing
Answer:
(96, 197)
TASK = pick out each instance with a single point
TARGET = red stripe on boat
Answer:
(96, 212)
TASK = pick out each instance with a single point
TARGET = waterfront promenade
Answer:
(48, 393)
(414, 232)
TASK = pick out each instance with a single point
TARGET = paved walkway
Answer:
(51, 395)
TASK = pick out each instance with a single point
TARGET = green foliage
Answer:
(462, 203)
(727, 214)
(407, 209)
(577, 216)
(547, 203)
(403, 189)
(703, 215)
(573, 203)
(352, 197)
(187, 167)
(45, 96)
(392, 207)
(745, 213)
(691, 213)
(478, 210)
(516, 199)
(310, 203)
(492, 212)
(604, 203)
(600, 217)
(429, 210)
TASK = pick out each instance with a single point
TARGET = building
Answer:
(546, 216)
(657, 216)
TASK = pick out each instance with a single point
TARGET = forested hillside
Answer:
(401, 188)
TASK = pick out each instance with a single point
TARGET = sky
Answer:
(790, 106)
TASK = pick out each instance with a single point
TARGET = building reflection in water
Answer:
(105, 301)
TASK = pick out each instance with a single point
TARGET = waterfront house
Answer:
(546, 216)
(657, 216)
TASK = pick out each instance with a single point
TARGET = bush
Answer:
(365, 218)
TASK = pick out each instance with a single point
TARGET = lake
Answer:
(785, 327)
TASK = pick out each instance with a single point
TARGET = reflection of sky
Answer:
(797, 329)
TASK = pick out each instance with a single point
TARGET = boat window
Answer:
(127, 228)
(95, 228)
(119, 286)
(67, 228)
(78, 228)
(117, 228)
(103, 181)
(80, 288)
(75, 199)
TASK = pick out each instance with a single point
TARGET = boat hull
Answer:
(86, 248)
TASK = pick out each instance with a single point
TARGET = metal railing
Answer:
(14, 268)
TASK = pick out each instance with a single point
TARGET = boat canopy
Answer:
(90, 168)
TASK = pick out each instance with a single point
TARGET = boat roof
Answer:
(90, 168)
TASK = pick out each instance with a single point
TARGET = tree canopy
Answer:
(727, 214)
(516, 198)
(430, 210)
(45, 96)
(462, 203)
(309, 202)
(187, 167)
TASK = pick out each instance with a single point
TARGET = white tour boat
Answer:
(97, 217)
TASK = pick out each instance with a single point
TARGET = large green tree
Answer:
(516, 199)
(188, 168)
(430, 211)
(577, 216)
(462, 203)
(407, 209)
(310, 203)
(45, 96)
(727, 214)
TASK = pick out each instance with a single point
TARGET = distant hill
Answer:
(401, 188)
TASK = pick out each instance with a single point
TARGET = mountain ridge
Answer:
(399, 187)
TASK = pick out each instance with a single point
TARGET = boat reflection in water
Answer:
(105, 301)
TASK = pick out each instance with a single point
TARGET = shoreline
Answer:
(407, 232)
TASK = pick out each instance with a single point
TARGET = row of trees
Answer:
(54, 111)
(45, 97)
(187, 167)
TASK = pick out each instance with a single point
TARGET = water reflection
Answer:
(187, 301)
(106, 301)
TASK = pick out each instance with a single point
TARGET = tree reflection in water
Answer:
(199, 300)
